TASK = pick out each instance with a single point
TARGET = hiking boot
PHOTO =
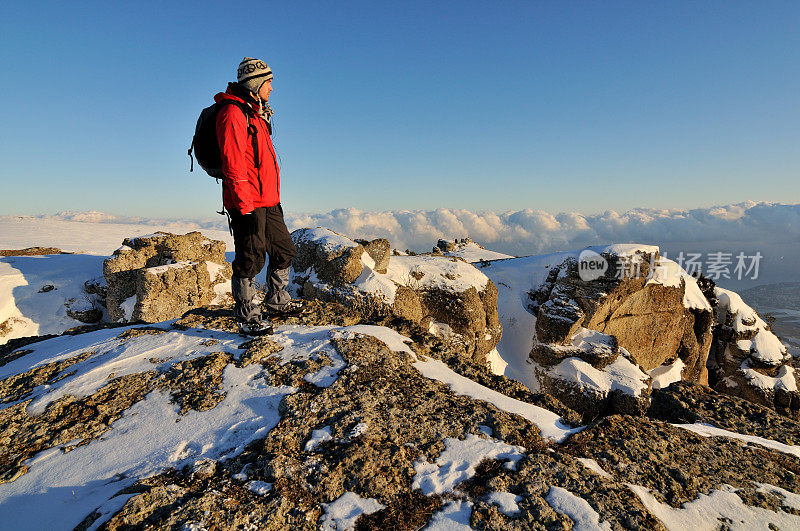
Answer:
(255, 328)
(293, 308)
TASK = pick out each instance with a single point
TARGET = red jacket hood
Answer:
(229, 95)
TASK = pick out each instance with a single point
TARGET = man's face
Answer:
(264, 91)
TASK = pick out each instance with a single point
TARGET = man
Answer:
(251, 195)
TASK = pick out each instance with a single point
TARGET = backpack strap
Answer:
(251, 130)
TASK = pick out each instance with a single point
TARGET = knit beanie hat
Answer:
(252, 73)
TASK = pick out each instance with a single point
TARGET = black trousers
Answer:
(258, 234)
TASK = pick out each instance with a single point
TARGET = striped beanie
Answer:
(252, 73)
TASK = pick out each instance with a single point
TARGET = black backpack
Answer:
(205, 145)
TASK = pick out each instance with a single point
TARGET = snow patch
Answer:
(507, 502)
(472, 252)
(127, 307)
(764, 346)
(708, 510)
(785, 379)
(330, 241)
(584, 517)
(342, 513)
(259, 487)
(668, 273)
(71, 485)
(666, 374)
(496, 363)
(454, 517)
(459, 460)
(592, 465)
(621, 375)
(429, 272)
(707, 430)
(318, 437)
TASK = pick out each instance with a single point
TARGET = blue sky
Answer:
(558, 106)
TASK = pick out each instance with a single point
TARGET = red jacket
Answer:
(246, 187)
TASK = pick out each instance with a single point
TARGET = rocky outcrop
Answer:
(656, 316)
(447, 296)
(635, 304)
(347, 430)
(748, 360)
(160, 277)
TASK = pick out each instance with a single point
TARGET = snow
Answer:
(358, 430)
(157, 270)
(221, 293)
(309, 342)
(668, 273)
(765, 346)
(442, 330)
(122, 357)
(143, 442)
(584, 517)
(708, 510)
(429, 272)
(514, 278)
(621, 375)
(19, 232)
(10, 280)
(624, 249)
(148, 437)
(453, 517)
(259, 487)
(459, 460)
(549, 423)
(342, 513)
(374, 283)
(216, 272)
(666, 374)
(707, 430)
(584, 338)
(329, 240)
(496, 363)
(127, 306)
(318, 437)
(472, 252)
(785, 379)
(507, 502)
(592, 465)
(789, 499)
(21, 280)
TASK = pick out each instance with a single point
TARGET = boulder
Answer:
(159, 277)
(748, 360)
(593, 375)
(379, 250)
(334, 258)
(658, 314)
(599, 334)
(447, 296)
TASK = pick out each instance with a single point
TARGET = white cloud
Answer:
(534, 231)
(528, 231)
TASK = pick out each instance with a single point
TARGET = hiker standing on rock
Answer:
(251, 195)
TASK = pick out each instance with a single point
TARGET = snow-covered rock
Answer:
(447, 296)
(748, 360)
(161, 276)
(467, 250)
(565, 326)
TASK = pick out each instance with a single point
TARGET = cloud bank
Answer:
(524, 232)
